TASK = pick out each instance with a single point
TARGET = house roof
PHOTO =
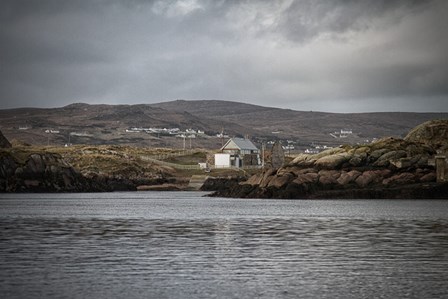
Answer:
(240, 144)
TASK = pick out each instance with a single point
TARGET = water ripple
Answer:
(234, 257)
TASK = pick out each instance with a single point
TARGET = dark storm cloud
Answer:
(316, 55)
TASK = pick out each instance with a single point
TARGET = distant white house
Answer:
(52, 131)
(237, 152)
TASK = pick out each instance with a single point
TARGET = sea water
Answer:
(185, 245)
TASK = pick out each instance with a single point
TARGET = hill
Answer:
(111, 124)
(105, 124)
(305, 126)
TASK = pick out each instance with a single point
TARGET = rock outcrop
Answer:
(80, 169)
(44, 172)
(22, 171)
(388, 168)
(49, 172)
(432, 133)
(4, 143)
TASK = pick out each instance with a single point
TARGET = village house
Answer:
(238, 152)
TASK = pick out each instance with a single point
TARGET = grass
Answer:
(125, 160)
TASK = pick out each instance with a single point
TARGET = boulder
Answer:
(286, 169)
(267, 176)
(255, 179)
(308, 178)
(35, 164)
(400, 179)
(386, 158)
(432, 133)
(333, 161)
(358, 160)
(373, 156)
(304, 160)
(368, 177)
(329, 177)
(280, 181)
(305, 171)
(348, 177)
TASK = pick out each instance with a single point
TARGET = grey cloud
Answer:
(313, 55)
(307, 19)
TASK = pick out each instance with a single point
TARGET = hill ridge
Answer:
(107, 123)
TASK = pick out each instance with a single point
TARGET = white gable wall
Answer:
(222, 160)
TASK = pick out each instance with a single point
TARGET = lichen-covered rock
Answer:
(333, 161)
(358, 160)
(376, 154)
(432, 133)
(386, 158)
(304, 160)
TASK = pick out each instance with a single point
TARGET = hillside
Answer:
(108, 124)
(306, 126)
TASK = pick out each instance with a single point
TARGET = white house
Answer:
(237, 152)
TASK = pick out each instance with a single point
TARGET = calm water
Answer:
(181, 245)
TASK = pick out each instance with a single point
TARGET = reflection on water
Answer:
(233, 255)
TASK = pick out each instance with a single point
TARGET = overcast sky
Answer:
(335, 55)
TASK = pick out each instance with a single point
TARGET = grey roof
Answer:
(240, 143)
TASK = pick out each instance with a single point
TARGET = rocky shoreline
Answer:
(387, 169)
(43, 173)
(49, 172)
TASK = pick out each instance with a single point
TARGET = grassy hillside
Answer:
(107, 124)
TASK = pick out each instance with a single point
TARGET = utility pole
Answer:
(262, 154)
(222, 136)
